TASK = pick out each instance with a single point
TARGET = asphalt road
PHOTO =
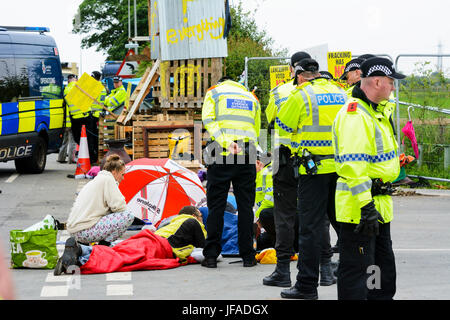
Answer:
(420, 234)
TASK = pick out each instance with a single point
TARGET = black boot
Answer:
(326, 275)
(281, 277)
(295, 293)
(70, 256)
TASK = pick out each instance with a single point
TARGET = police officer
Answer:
(365, 151)
(280, 93)
(96, 109)
(309, 113)
(68, 145)
(284, 182)
(116, 99)
(352, 74)
(78, 119)
(232, 116)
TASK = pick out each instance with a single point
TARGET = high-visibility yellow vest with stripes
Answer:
(277, 97)
(365, 149)
(172, 228)
(74, 111)
(116, 98)
(230, 112)
(67, 89)
(264, 190)
(308, 116)
(96, 109)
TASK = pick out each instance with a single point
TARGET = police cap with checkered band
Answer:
(380, 67)
(354, 64)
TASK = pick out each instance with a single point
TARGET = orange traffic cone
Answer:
(83, 162)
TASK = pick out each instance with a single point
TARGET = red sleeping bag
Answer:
(143, 251)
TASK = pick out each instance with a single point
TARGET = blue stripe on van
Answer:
(42, 114)
(10, 118)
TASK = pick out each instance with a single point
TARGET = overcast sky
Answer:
(390, 27)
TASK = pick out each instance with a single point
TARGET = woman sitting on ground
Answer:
(99, 213)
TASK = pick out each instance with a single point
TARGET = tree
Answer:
(105, 25)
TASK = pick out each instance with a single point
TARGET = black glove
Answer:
(368, 225)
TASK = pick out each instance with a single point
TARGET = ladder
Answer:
(143, 88)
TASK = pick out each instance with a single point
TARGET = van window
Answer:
(39, 77)
(9, 83)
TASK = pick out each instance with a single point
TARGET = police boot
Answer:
(281, 277)
(326, 275)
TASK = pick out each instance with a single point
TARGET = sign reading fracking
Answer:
(187, 29)
(337, 62)
(279, 74)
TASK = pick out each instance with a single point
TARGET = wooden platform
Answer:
(190, 81)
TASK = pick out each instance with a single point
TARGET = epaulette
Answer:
(210, 88)
(352, 107)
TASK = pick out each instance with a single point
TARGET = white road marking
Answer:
(55, 291)
(12, 178)
(118, 276)
(119, 290)
(62, 278)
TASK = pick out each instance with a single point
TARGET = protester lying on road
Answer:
(99, 213)
(168, 247)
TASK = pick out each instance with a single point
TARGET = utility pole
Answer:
(439, 64)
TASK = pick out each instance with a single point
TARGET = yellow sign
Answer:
(279, 74)
(85, 92)
(337, 62)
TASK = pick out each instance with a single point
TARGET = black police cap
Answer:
(117, 79)
(305, 65)
(298, 56)
(354, 64)
(326, 74)
(382, 67)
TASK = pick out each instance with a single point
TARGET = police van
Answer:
(32, 112)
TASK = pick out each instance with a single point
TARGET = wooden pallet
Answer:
(106, 131)
(191, 79)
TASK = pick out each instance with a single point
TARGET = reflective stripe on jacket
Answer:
(116, 98)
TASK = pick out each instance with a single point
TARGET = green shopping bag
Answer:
(34, 249)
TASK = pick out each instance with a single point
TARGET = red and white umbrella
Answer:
(158, 188)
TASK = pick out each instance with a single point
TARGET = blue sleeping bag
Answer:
(229, 241)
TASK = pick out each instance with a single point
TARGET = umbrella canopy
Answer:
(408, 131)
(155, 189)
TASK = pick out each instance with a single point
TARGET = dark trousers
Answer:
(91, 133)
(219, 177)
(361, 260)
(286, 215)
(316, 202)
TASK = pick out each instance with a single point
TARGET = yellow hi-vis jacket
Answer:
(74, 111)
(264, 190)
(66, 91)
(96, 109)
(308, 116)
(116, 98)
(277, 98)
(230, 112)
(172, 228)
(365, 149)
